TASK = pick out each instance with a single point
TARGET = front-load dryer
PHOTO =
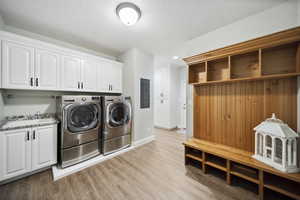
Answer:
(117, 123)
(80, 128)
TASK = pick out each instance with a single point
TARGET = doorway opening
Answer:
(170, 97)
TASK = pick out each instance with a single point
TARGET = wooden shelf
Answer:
(249, 170)
(270, 60)
(282, 185)
(245, 177)
(197, 73)
(280, 59)
(218, 70)
(282, 191)
(265, 77)
(245, 65)
(216, 166)
(194, 157)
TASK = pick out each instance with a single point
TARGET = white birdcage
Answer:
(276, 145)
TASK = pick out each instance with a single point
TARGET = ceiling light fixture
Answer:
(128, 13)
(175, 57)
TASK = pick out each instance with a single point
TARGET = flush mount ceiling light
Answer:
(175, 57)
(128, 13)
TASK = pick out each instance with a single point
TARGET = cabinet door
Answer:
(70, 75)
(116, 77)
(89, 75)
(46, 70)
(17, 65)
(104, 75)
(44, 146)
(15, 154)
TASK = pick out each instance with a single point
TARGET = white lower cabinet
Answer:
(44, 147)
(26, 150)
(15, 153)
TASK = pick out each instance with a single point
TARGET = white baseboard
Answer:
(166, 128)
(144, 141)
(59, 173)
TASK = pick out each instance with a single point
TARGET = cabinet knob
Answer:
(31, 81)
(78, 85)
(81, 85)
(37, 82)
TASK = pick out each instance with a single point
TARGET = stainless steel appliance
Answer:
(80, 128)
(117, 123)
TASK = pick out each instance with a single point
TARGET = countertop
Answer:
(27, 123)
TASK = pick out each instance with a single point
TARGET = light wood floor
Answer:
(153, 171)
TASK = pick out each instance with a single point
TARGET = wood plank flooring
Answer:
(153, 171)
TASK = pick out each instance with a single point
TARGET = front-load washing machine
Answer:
(80, 128)
(117, 123)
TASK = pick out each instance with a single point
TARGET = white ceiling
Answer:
(93, 24)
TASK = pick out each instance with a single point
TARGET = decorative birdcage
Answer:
(276, 145)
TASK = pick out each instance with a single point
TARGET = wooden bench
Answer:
(238, 163)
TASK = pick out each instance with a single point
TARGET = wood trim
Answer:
(265, 77)
(298, 59)
(203, 163)
(259, 62)
(228, 178)
(283, 37)
(261, 184)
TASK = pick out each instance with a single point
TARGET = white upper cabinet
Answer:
(47, 69)
(103, 74)
(116, 80)
(17, 65)
(109, 77)
(15, 153)
(71, 73)
(36, 65)
(44, 146)
(89, 75)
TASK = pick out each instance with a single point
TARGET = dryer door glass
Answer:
(83, 117)
(119, 114)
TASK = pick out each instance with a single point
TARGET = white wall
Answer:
(22, 102)
(269, 21)
(298, 17)
(162, 105)
(1, 107)
(167, 82)
(1, 23)
(25, 104)
(137, 65)
(1, 98)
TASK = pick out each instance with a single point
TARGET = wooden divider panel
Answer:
(227, 113)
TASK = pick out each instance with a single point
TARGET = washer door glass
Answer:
(119, 114)
(82, 117)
